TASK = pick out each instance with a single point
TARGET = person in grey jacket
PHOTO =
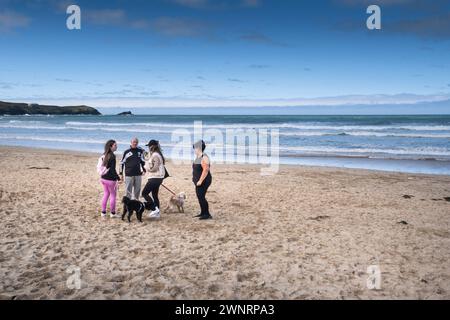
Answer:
(156, 172)
(133, 163)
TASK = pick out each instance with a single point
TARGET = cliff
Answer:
(11, 108)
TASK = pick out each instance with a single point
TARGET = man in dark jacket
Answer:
(133, 162)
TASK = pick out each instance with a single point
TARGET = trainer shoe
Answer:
(155, 214)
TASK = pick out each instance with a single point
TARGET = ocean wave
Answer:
(367, 134)
(316, 150)
(286, 125)
(426, 151)
(76, 140)
(267, 125)
(52, 139)
(127, 124)
(27, 121)
(282, 133)
(33, 127)
(397, 153)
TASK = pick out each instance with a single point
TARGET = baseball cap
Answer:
(152, 143)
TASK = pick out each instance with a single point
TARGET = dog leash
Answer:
(169, 190)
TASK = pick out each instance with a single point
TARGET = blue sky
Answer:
(169, 53)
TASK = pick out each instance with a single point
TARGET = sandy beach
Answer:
(304, 233)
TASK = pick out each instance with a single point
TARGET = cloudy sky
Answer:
(169, 53)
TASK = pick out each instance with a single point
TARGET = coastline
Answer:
(304, 233)
(394, 166)
(412, 144)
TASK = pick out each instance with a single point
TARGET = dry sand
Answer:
(305, 233)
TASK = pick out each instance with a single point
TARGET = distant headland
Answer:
(126, 113)
(16, 109)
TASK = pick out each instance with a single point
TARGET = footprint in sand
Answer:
(241, 277)
(319, 218)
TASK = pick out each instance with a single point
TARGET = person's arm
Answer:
(142, 162)
(155, 163)
(122, 163)
(112, 162)
(148, 164)
(205, 167)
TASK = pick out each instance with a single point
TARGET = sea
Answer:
(400, 143)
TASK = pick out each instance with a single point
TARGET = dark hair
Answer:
(108, 153)
(157, 148)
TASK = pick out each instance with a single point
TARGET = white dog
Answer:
(177, 200)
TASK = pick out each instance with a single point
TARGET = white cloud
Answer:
(169, 102)
(164, 25)
(202, 4)
(178, 27)
(10, 20)
(191, 3)
(106, 16)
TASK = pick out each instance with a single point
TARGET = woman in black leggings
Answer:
(201, 176)
(156, 172)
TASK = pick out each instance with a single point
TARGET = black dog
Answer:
(131, 206)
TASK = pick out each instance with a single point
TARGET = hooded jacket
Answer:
(133, 162)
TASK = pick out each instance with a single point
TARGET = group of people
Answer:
(134, 166)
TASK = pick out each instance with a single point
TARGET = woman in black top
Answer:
(201, 176)
(110, 179)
